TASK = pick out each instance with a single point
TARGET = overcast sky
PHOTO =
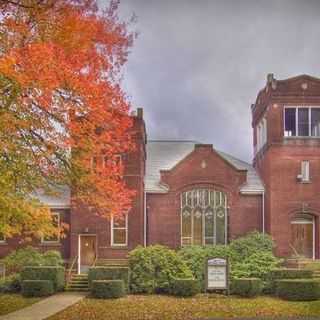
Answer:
(197, 65)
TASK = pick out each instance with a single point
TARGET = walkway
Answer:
(46, 307)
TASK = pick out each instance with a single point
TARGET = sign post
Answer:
(217, 274)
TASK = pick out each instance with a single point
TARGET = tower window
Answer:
(302, 122)
(305, 171)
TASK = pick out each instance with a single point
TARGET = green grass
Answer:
(156, 307)
(13, 302)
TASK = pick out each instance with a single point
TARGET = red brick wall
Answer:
(63, 247)
(279, 162)
(245, 211)
(85, 222)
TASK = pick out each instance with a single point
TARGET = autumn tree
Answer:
(61, 109)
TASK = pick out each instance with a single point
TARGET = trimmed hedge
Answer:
(298, 289)
(11, 284)
(107, 289)
(246, 287)
(109, 273)
(279, 274)
(55, 274)
(37, 288)
(185, 287)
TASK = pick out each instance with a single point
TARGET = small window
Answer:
(2, 238)
(305, 171)
(303, 122)
(119, 231)
(315, 122)
(117, 159)
(56, 223)
(290, 122)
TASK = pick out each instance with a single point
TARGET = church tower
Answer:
(286, 141)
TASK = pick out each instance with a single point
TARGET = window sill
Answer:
(119, 247)
(51, 244)
(305, 182)
(302, 137)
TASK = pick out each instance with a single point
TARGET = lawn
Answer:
(155, 307)
(13, 302)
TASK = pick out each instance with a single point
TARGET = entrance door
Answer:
(302, 238)
(87, 252)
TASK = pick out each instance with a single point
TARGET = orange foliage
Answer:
(62, 59)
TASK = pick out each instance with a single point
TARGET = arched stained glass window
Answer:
(203, 217)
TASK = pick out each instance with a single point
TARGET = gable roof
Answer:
(165, 154)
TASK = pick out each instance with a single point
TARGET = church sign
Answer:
(217, 274)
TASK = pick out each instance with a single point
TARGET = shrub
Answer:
(37, 288)
(11, 284)
(108, 288)
(109, 273)
(254, 242)
(249, 256)
(185, 287)
(29, 256)
(52, 258)
(20, 258)
(298, 289)
(55, 274)
(257, 265)
(153, 269)
(195, 258)
(279, 274)
(246, 287)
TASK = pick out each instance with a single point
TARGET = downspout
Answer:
(145, 219)
(263, 217)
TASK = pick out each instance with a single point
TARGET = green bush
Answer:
(37, 288)
(253, 242)
(152, 269)
(246, 287)
(29, 256)
(109, 273)
(55, 274)
(195, 257)
(11, 284)
(280, 274)
(257, 265)
(298, 289)
(108, 288)
(185, 287)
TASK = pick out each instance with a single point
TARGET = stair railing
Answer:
(71, 268)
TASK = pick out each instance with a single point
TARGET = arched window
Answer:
(203, 217)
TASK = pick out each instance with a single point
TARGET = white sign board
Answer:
(217, 274)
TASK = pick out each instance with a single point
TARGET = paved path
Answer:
(46, 307)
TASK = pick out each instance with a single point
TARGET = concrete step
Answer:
(77, 289)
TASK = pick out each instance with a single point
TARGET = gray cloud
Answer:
(198, 65)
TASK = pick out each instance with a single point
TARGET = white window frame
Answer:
(297, 121)
(113, 228)
(53, 213)
(3, 241)
(117, 156)
(305, 170)
(261, 134)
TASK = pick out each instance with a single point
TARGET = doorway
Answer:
(302, 236)
(87, 252)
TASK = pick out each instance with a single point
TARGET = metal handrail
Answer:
(95, 261)
(71, 268)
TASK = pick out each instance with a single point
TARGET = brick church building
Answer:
(189, 193)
